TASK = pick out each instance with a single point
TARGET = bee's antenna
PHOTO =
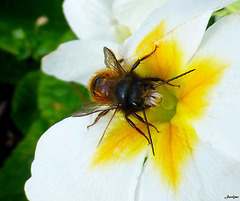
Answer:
(149, 134)
(174, 78)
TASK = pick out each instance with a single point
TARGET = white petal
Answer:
(222, 39)
(132, 13)
(90, 19)
(176, 13)
(76, 60)
(220, 126)
(61, 172)
(209, 175)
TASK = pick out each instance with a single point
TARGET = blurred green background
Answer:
(30, 101)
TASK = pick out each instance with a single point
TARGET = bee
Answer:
(115, 88)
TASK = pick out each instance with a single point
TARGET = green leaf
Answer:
(39, 95)
(48, 40)
(58, 99)
(232, 8)
(16, 169)
(13, 69)
(23, 34)
(25, 106)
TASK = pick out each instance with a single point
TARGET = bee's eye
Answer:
(136, 104)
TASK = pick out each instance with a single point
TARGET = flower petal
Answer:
(76, 60)
(132, 13)
(61, 169)
(90, 18)
(209, 175)
(172, 14)
(220, 125)
(172, 52)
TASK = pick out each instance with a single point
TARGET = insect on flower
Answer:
(116, 89)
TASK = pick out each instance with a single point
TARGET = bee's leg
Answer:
(107, 126)
(142, 120)
(155, 79)
(135, 65)
(135, 127)
(149, 134)
(100, 115)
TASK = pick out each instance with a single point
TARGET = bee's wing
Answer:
(90, 108)
(111, 61)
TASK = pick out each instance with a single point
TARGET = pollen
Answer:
(152, 97)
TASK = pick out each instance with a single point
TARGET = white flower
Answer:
(197, 152)
(110, 20)
(97, 23)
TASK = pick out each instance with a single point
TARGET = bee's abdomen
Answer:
(101, 89)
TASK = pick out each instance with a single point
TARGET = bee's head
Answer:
(142, 94)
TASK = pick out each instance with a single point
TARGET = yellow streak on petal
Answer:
(195, 88)
(174, 147)
(122, 142)
(167, 60)
(148, 44)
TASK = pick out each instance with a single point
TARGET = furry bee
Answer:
(116, 89)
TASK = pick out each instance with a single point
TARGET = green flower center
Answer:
(166, 110)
